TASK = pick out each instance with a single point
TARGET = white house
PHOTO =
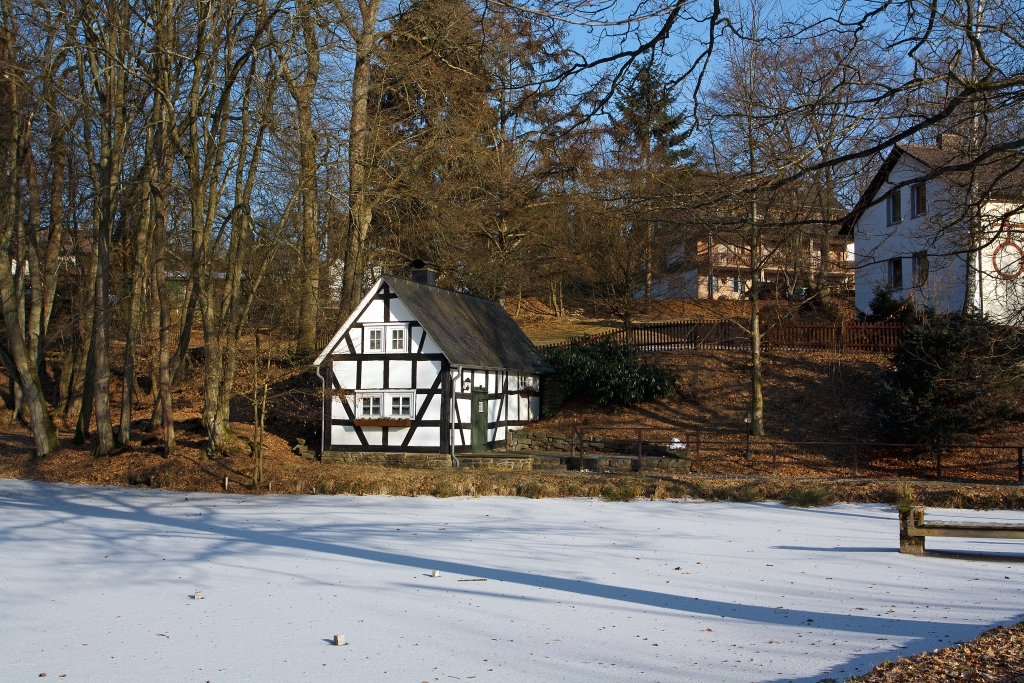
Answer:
(417, 368)
(911, 229)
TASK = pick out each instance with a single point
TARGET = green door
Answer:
(479, 421)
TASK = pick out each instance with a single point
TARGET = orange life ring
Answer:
(1020, 261)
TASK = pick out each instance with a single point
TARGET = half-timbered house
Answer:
(418, 368)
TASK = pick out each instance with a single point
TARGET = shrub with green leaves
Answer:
(953, 378)
(886, 307)
(611, 373)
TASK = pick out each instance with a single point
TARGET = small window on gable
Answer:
(369, 405)
(401, 406)
(374, 339)
(397, 339)
(918, 200)
(894, 208)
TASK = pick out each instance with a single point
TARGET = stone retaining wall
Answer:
(609, 463)
(495, 461)
(426, 461)
(542, 442)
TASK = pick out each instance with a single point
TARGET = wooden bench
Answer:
(913, 530)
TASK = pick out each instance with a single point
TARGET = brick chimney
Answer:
(424, 272)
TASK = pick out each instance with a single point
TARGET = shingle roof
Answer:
(999, 176)
(469, 330)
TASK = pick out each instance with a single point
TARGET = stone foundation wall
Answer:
(496, 461)
(425, 461)
(610, 463)
(542, 442)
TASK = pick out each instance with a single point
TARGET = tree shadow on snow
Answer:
(922, 633)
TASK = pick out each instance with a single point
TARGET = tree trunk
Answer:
(43, 432)
(360, 208)
(163, 379)
(81, 375)
(756, 397)
(101, 337)
(310, 249)
(139, 269)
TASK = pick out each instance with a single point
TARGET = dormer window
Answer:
(398, 339)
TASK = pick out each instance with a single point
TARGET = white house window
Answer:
(894, 209)
(894, 273)
(736, 284)
(378, 405)
(398, 339)
(918, 200)
(375, 340)
(369, 405)
(401, 406)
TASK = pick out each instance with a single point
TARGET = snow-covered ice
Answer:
(97, 583)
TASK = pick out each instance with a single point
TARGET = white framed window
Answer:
(894, 273)
(397, 337)
(401, 405)
(894, 209)
(374, 339)
(736, 284)
(918, 200)
(373, 405)
(368, 405)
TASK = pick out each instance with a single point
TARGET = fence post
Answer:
(696, 452)
(1020, 465)
(855, 460)
(581, 449)
(572, 444)
(774, 467)
(639, 450)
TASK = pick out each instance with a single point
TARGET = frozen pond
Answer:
(97, 583)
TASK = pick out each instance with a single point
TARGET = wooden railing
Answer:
(725, 335)
(720, 455)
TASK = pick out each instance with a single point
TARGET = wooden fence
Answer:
(725, 335)
(731, 455)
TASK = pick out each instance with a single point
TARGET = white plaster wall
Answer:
(400, 374)
(876, 243)
(374, 312)
(433, 409)
(426, 436)
(373, 374)
(345, 371)
(344, 435)
(427, 372)
(400, 313)
(429, 346)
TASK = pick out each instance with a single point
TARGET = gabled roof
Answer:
(470, 331)
(1000, 176)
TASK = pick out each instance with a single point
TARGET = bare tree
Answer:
(14, 129)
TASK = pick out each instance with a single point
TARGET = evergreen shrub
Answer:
(886, 307)
(953, 378)
(610, 372)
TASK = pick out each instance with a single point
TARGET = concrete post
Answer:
(911, 545)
